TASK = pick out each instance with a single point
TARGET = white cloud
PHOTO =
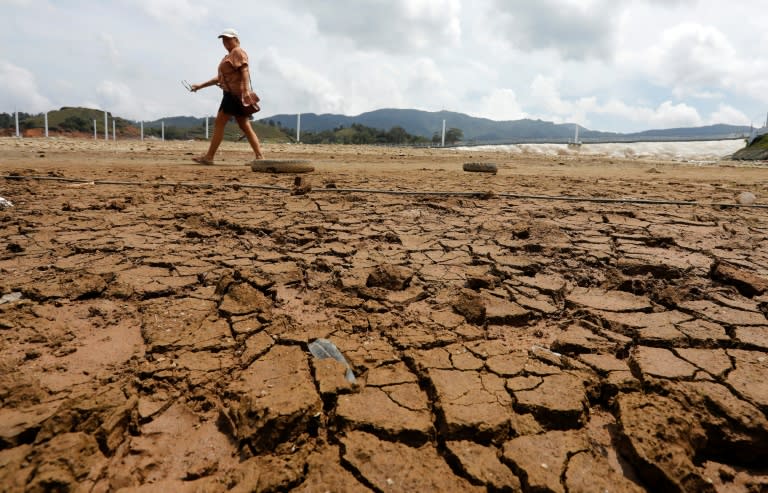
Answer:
(575, 30)
(110, 47)
(174, 12)
(608, 65)
(665, 115)
(308, 89)
(18, 90)
(118, 98)
(546, 94)
(728, 114)
(690, 58)
(502, 105)
(387, 25)
(670, 115)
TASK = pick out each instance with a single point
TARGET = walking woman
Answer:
(234, 79)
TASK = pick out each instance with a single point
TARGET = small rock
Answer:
(10, 298)
(746, 198)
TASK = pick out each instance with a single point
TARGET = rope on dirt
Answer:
(599, 200)
(143, 183)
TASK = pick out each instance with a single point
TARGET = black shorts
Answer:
(231, 105)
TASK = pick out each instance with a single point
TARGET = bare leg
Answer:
(218, 134)
(253, 139)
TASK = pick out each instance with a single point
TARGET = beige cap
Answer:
(229, 33)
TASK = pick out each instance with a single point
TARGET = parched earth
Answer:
(155, 319)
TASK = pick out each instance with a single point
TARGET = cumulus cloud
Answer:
(502, 105)
(425, 77)
(576, 30)
(387, 25)
(18, 89)
(118, 97)
(691, 58)
(619, 66)
(546, 95)
(728, 114)
(174, 12)
(307, 88)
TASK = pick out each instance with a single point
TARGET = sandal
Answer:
(203, 160)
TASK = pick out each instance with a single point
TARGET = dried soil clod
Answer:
(748, 283)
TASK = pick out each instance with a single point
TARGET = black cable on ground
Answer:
(599, 200)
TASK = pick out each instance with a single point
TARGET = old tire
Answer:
(481, 168)
(282, 166)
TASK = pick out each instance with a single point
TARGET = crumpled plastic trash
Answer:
(5, 204)
(10, 298)
(323, 349)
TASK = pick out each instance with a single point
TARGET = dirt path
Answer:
(154, 334)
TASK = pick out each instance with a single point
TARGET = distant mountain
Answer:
(484, 130)
(415, 122)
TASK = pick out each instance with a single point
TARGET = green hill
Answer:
(756, 151)
(75, 120)
(69, 120)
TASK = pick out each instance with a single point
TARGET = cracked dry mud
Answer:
(160, 342)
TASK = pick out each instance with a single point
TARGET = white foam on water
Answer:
(703, 152)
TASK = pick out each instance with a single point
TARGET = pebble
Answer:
(746, 198)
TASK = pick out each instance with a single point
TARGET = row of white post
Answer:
(162, 128)
(106, 128)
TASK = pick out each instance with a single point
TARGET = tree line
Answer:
(361, 134)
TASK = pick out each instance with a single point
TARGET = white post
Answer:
(298, 128)
(106, 130)
(162, 131)
(46, 124)
(206, 128)
(94, 129)
(142, 130)
(114, 135)
(17, 125)
(443, 140)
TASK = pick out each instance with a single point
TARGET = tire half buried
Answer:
(481, 168)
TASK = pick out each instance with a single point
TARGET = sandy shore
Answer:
(155, 330)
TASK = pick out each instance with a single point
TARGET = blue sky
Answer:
(608, 65)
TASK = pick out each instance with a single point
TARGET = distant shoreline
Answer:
(595, 141)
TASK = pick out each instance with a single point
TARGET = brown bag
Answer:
(252, 108)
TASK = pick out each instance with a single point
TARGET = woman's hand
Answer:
(196, 87)
(249, 98)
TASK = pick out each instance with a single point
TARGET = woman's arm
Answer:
(208, 83)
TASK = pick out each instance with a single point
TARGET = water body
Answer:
(703, 152)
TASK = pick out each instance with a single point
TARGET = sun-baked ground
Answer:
(155, 317)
